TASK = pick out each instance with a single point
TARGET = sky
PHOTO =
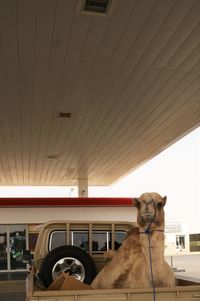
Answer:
(175, 172)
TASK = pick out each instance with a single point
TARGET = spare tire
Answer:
(68, 259)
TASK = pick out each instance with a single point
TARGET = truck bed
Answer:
(185, 290)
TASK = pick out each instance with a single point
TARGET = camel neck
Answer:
(153, 240)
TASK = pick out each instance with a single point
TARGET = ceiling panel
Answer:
(129, 79)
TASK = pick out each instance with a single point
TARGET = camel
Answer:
(139, 262)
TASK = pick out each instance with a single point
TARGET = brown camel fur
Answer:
(130, 265)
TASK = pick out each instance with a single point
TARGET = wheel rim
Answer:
(69, 265)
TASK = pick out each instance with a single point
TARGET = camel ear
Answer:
(164, 200)
(136, 202)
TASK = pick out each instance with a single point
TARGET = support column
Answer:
(83, 188)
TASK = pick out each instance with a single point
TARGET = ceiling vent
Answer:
(53, 156)
(64, 115)
(95, 7)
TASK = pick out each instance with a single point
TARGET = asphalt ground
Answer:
(12, 290)
(13, 296)
(186, 265)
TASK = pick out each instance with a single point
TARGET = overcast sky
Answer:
(175, 173)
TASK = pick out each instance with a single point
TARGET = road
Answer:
(12, 290)
(189, 263)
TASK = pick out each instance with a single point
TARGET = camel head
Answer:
(150, 210)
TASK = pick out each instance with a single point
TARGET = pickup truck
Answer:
(79, 248)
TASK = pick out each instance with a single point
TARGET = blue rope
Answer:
(148, 232)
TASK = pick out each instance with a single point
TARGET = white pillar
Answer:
(83, 188)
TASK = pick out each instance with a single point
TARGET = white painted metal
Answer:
(83, 188)
(131, 81)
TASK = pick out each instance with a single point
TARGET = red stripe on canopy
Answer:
(64, 202)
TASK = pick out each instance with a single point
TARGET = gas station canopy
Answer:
(90, 90)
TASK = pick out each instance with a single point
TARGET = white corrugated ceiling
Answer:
(130, 79)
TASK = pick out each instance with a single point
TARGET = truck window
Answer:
(119, 238)
(101, 240)
(57, 239)
(80, 239)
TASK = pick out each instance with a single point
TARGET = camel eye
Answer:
(159, 205)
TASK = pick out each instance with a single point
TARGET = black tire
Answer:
(69, 259)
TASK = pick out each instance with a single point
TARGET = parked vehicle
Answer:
(78, 247)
